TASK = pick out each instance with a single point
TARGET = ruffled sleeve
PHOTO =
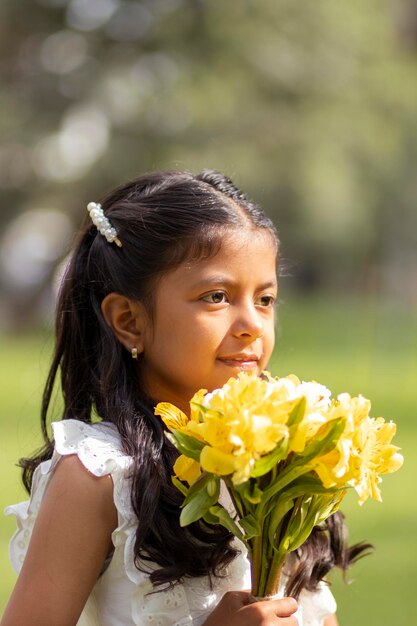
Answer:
(99, 450)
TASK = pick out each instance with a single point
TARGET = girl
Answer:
(170, 288)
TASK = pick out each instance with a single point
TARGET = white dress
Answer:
(120, 596)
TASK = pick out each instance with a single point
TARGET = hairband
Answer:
(102, 223)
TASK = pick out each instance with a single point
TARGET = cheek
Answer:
(209, 328)
(183, 336)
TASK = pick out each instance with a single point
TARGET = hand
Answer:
(236, 609)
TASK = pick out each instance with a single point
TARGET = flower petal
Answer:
(187, 469)
(171, 415)
(217, 462)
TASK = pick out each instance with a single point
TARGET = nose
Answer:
(248, 322)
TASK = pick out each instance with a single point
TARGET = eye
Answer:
(215, 297)
(266, 301)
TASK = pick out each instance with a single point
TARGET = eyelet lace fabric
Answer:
(122, 595)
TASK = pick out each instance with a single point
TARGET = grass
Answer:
(360, 347)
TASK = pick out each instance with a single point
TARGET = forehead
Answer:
(244, 255)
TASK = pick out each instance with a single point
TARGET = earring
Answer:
(134, 352)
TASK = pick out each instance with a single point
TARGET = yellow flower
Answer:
(306, 430)
(221, 463)
(356, 409)
(172, 416)
(317, 402)
(187, 469)
(244, 463)
(217, 462)
(242, 421)
(249, 417)
(363, 452)
(253, 394)
(373, 454)
(316, 395)
(336, 468)
(333, 467)
(195, 402)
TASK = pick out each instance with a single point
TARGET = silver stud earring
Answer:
(134, 352)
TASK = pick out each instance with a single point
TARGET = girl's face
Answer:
(212, 319)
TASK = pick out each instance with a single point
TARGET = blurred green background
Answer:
(311, 107)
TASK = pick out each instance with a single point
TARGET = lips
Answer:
(240, 361)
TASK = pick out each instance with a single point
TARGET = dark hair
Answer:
(162, 219)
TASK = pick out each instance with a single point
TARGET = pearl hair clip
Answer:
(102, 223)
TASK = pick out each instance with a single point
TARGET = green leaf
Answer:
(179, 485)
(197, 506)
(300, 524)
(210, 518)
(187, 445)
(284, 478)
(251, 526)
(330, 505)
(225, 519)
(202, 494)
(314, 510)
(249, 492)
(297, 412)
(284, 505)
(324, 441)
(306, 484)
(200, 407)
(195, 509)
(301, 512)
(278, 506)
(213, 486)
(264, 465)
(205, 482)
(205, 409)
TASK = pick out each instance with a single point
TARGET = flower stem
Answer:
(256, 564)
(266, 557)
(236, 501)
(274, 575)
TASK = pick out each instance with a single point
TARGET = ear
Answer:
(127, 318)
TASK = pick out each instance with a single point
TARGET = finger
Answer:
(288, 621)
(285, 607)
(236, 599)
(288, 604)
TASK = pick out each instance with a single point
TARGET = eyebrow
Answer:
(219, 280)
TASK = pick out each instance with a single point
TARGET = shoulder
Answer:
(88, 470)
(71, 483)
(77, 501)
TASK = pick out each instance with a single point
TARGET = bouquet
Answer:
(287, 452)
